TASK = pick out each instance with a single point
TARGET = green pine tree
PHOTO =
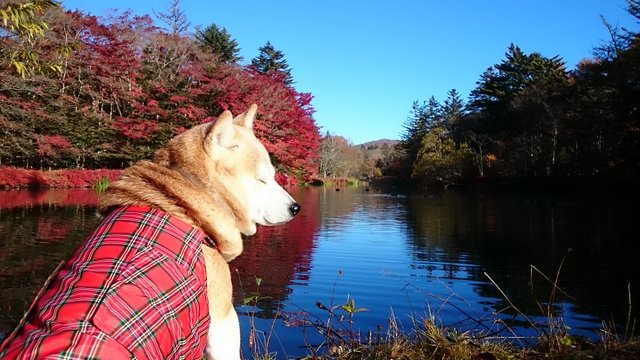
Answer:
(517, 104)
(423, 118)
(272, 60)
(218, 41)
(453, 108)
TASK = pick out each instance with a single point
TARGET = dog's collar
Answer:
(209, 242)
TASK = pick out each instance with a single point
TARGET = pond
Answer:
(479, 261)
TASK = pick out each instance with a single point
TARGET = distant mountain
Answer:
(373, 151)
(378, 143)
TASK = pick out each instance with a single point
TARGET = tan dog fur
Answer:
(217, 177)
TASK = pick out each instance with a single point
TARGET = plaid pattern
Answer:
(136, 288)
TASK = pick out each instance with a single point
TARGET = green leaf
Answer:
(566, 340)
(251, 298)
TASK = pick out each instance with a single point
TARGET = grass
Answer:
(430, 341)
(101, 184)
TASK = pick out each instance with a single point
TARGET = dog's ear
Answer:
(246, 118)
(221, 132)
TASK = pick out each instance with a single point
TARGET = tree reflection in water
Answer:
(412, 255)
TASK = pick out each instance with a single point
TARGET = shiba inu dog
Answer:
(137, 285)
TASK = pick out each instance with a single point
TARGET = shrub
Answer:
(26, 178)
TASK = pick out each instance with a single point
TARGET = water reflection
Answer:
(579, 237)
(33, 240)
(413, 256)
(10, 199)
(280, 256)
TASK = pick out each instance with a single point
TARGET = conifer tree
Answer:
(219, 42)
(453, 108)
(423, 118)
(272, 60)
(633, 8)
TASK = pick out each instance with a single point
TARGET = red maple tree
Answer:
(126, 87)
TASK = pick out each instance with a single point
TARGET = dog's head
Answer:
(243, 164)
(227, 158)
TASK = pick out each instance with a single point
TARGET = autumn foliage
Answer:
(11, 177)
(126, 87)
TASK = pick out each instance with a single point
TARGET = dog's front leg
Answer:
(223, 340)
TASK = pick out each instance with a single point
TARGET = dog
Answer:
(153, 279)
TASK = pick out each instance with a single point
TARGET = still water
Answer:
(473, 260)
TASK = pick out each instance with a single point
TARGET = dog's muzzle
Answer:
(294, 209)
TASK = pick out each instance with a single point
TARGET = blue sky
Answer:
(366, 61)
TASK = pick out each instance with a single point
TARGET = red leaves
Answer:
(284, 125)
(191, 112)
(17, 177)
(178, 99)
(53, 146)
(136, 128)
(125, 88)
(79, 177)
(285, 180)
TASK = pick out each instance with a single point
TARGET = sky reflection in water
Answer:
(407, 256)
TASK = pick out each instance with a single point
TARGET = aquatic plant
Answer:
(428, 339)
(101, 185)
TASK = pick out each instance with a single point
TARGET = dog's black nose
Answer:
(295, 209)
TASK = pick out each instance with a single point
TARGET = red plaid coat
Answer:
(136, 288)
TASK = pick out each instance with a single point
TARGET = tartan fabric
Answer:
(136, 288)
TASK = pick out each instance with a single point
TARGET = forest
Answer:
(81, 91)
(86, 92)
(531, 117)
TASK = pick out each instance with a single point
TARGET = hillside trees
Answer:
(529, 117)
(424, 116)
(126, 87)
(99, 86)
(605, 136)
(338, 158)
(439, 158)
(516, 105)
(605, 118)
(542, 120)
(377, 158)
